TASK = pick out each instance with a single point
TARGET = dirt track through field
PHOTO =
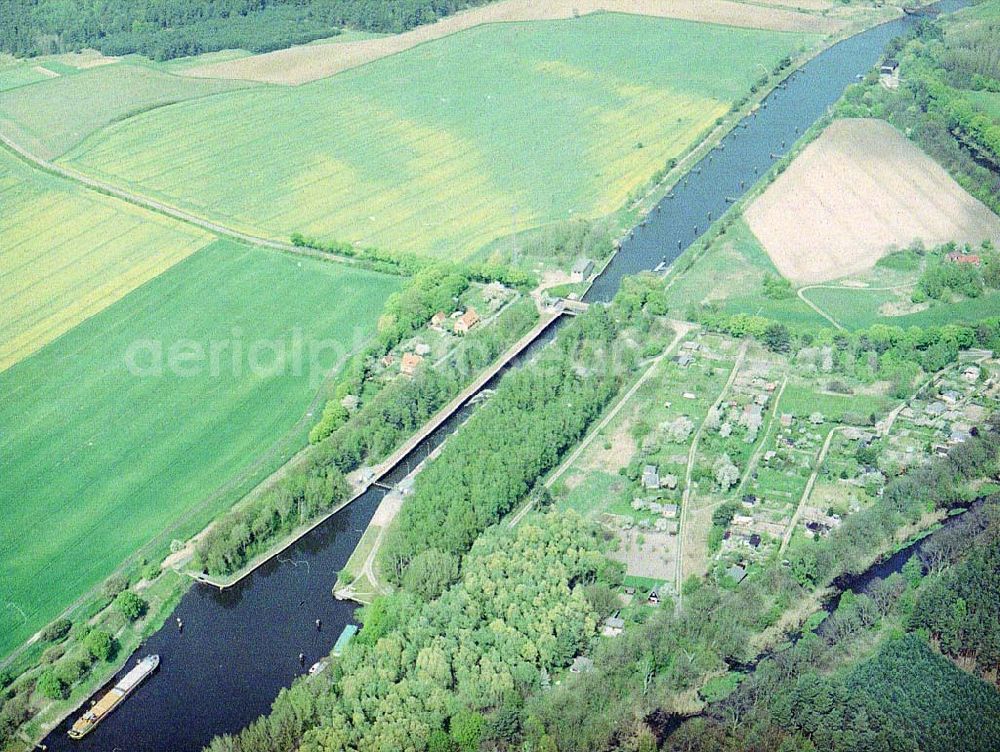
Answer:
(859, 191)
(299, 65)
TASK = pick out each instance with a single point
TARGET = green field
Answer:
(100, 460)
(20, 75)
(67, 253)
(451, 144)
(50, 116)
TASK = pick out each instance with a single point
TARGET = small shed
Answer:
(582, 665)
(650, 477)
(582, 269)
(613, 626)
(936, 408)
(438, 319)
(737, 573)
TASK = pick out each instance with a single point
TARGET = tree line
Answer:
(165, 29)
(867, 678)
(880, 352)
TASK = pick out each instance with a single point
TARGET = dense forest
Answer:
(939, 66)
(424, 675)
(165, 29)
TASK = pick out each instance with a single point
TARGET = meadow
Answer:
(54, 113)
(106, 454)
(449, 145)
(68, 253)
(730, 274)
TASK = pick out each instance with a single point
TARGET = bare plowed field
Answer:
(299, 65)
(857, 192)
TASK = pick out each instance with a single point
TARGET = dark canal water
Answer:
(240, 646)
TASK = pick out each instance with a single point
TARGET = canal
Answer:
(240, 646)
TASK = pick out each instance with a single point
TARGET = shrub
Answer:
(130, 605)
(51, 686)
(71, 671)
(115, 584)
(57, 630)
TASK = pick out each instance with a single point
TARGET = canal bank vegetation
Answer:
(434, 674)
(317, 484)
(482, 666)
(76, 656)
(643, 677)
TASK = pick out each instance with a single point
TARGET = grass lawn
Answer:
(101, 459)
(594, 493)
(802, 400)
(987, 101)
(67, 253)
(859, 308)
(50, 116)
(449, 145)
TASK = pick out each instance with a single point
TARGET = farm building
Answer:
(466, 321)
